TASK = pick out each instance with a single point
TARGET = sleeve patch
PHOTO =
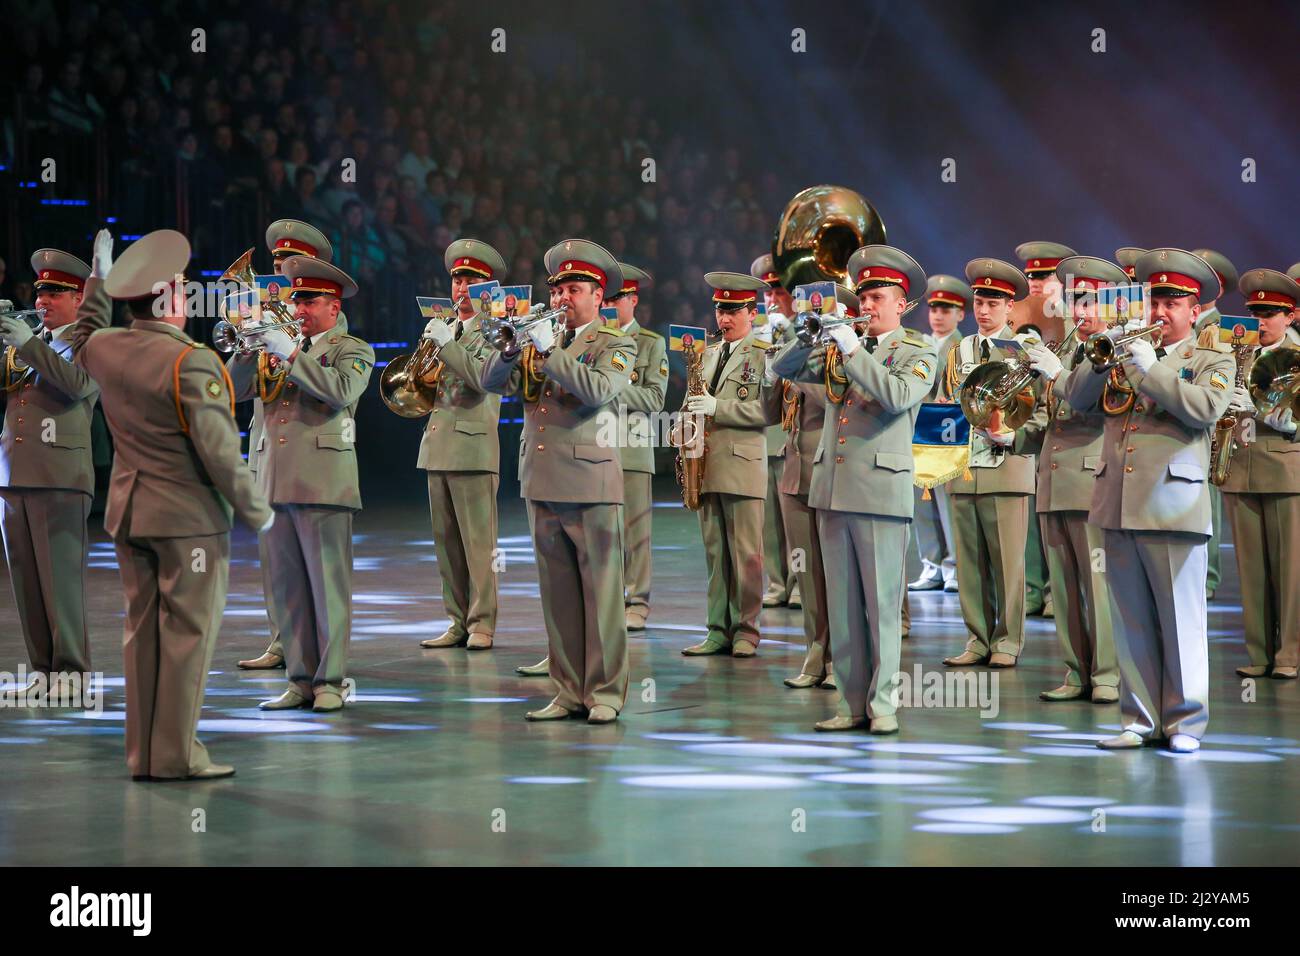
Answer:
(358, 365)
(213, 388)
(921, 369)
(663, 367)
(618, 360)
(1219, 380)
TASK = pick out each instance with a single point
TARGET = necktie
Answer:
(568, 337)
(460, 327)
(1160, 353)
(984, 350)
(1078, 355)
(717, 369)
(870, 344)
(306, 344)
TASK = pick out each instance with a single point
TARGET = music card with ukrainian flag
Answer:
(1126, 304)
(480, 294)
(511, 300)
(432, 308)
(818, 297)
(609, 316)
(1237, 330)
(686, 337)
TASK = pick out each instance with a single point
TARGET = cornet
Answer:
(1102, 350)
(810, 328)
(505, 333)
(8, 312)
(228, 337)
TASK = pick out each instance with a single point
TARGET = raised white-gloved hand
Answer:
(278, 342)
(542, 335)
(1241, 400)
(1003, 439)
(439, 331)
(267, 527)
(1279, 419)
(102, 260)
(702, 404)
(15, 332)
(1043, 360)
(763, 333)
(846, 340)
(1142, 354)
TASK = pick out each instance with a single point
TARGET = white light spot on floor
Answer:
(947, 750)
(883, 778)
(969, 829)
(771, 750)
(1009, 816)
(714, 781)
(1226, 756)
(221, 726)
(546, 780)
(1028, 728)
(1068, 801)
(693, 738)
(492, 700)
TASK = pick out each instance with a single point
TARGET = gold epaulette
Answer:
(610, 330)
(913, 337)
(648, 334)
(760, 344)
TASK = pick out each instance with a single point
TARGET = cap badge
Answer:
(1259, 294)
(1035, 262)
(298, 281)
(1164, 277)
(568, 265)
(988, 281)
(46, 275)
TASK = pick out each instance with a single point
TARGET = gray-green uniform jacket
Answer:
(642, 398)
(460, 433)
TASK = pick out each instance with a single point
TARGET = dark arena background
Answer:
(673, 134)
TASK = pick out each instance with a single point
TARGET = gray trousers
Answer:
(463, 512)
(1157, 592)
(776, 550)
(581, 583)
(46, 546)
(1082, 608)
(806, 559)
(732, 529)
(934, 544)
(638, 507)
(175, 591)
(309, 551)
(989, 532)
(277, 642)
(865, 597)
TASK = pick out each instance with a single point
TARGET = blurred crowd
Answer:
(446, 139)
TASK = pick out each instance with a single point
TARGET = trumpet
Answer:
(505, 333)
(1101, 350)
(228, 337)
(10, 313)
(14, 371)
(811, 328)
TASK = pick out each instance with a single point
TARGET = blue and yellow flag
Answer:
(1238, 330)
(1122, 303)
(940, 444)
(683, 337)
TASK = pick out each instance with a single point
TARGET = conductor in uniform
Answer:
(285, 238)
(47, 479)
(1262, 494)
(642, 398)
(734, 488)
(309, 474)
(177, 473)
(461, 454)
(574, 483)
(862, 478)
(1151, 500)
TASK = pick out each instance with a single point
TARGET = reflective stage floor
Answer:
(713, 761)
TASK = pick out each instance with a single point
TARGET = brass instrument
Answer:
(1004, 387)
(691, 451)
(505, 333)
(407, 384)
(230, 337)
(820, 228)
(1222, 444)
(810, 328)
(15, 371)
(1275, 382)
(1101, 350)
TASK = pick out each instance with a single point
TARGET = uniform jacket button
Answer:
(1128, 468)
(1053, 466)
(284, 441)
(842, 440)
(541, 448)
(839, 459)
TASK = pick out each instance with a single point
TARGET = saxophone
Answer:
(1222, 444)
(686, 435)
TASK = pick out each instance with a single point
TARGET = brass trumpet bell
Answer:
(1275, 382)
(820, 228)
(997, 387)
(402, 385)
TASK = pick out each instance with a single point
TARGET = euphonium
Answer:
(404, 385)
(1275, 382)
(229, 337)
(687, 436)
(1005, 388)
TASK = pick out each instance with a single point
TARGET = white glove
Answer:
(439, 331)
(1279, 419)
(267, 527)
(14, 332)
(1003, 439)
(1241, 400)
(701, 404)
(278, 342)
(770, 378)
(542, 335)
(1044, 360)
(778, 322)
(102, 260)
(763, 333)
(1142, 354)
(846, 340)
